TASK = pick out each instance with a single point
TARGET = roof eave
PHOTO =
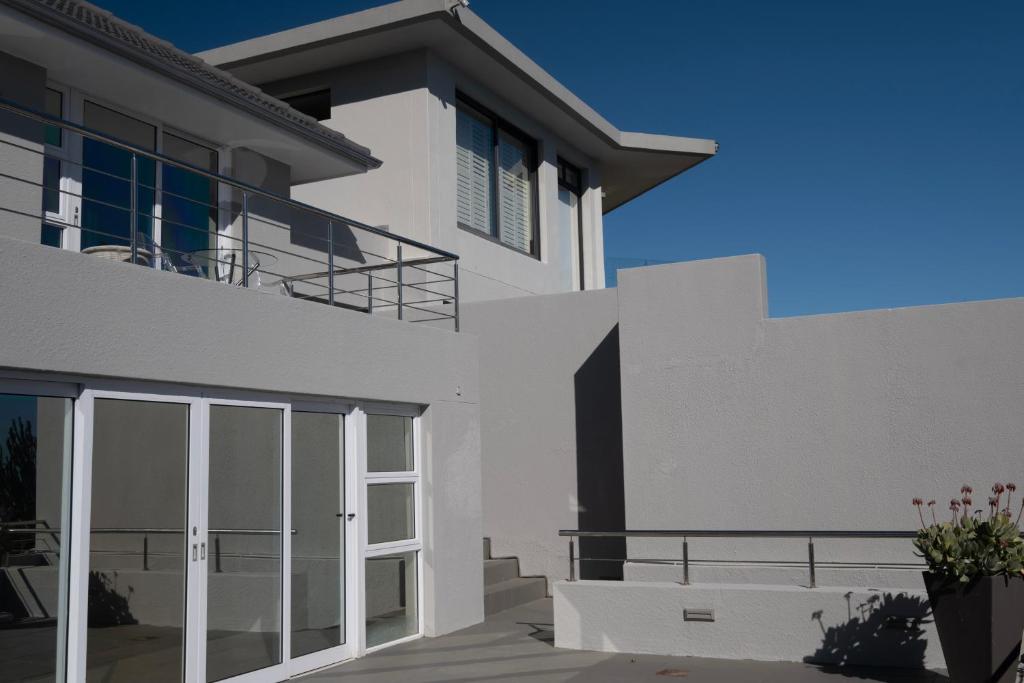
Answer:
(351, 151)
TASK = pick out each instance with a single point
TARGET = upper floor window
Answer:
(496, 189)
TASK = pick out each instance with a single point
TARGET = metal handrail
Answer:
(43, 117)
(248, 191)
(686, 534)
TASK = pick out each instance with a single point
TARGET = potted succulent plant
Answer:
(975, 582)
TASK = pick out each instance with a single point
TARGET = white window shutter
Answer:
(515, 201)
(475, 168)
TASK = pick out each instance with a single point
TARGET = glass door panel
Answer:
(244, 572)
(318, 545)
(138, 522)
(35, 449)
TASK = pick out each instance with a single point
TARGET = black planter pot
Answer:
(979, 625)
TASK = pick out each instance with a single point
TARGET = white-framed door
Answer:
(323, 566)
(180, 567)
(135, 516)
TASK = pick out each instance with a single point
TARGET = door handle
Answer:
(202, 551)
(351, 516)
(194, 549)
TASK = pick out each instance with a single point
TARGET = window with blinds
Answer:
(495, 184)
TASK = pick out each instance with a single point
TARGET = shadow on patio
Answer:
(517, 645)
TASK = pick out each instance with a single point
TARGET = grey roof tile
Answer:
(100, 26)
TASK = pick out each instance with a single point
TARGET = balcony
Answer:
(74, 187)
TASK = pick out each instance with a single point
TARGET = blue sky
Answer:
(873, 151)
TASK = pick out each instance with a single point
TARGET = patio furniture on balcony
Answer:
(123, 202)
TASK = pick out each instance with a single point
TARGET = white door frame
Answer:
(81, 503)
(350, 547)
(356, 478)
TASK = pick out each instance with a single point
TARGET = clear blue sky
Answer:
(873, 150)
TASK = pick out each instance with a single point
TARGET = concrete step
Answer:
(497, 571)
(487, 548)
(508, 594)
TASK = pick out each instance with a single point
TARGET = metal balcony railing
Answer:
(104, 196)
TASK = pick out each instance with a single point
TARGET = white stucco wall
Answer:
(734, 420)
(536, 354)
(403, 108)
(71, 315)
(760, 622)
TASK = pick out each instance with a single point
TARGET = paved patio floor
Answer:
(518, 645)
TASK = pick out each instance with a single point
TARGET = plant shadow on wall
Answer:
(885, 629)
(107, 607)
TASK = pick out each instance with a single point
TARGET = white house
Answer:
(485, 154)
(287, 328)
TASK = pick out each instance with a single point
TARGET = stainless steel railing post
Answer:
(399, 279)
(572, 559)
(245, 239)
(455, 275)
(330, 262)
(369, 292)
(686, 562)
(133, 220)
(810, 560)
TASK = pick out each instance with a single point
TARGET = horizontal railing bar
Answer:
(433, 272)
(736, 533)
(369, 268)
(42, 117)
(431, 319)
(782, 564)
(125, 530)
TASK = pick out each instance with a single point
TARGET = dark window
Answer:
(316, 104)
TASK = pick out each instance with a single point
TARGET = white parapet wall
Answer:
(834, 625)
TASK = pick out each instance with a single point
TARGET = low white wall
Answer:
(848, 626)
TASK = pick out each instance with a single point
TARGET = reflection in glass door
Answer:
(318, 575)
(244, 574)
(137, 537)
(35, 454)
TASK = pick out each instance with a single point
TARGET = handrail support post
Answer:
(330, 262)
(245, 239)
(369, 292)
(810, 561)
(572, 559)
(455, 276)
(686, 562)
(399, 279)
(133, 220)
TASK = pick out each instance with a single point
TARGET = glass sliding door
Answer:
(244, 582)
(138, 531)
(188, 207)
(35, 455)
(107, 187)
(318, 562)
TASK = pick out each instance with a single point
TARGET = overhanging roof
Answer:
(631, 163)
(97, 27)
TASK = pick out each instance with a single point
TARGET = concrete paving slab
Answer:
(518, 645)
